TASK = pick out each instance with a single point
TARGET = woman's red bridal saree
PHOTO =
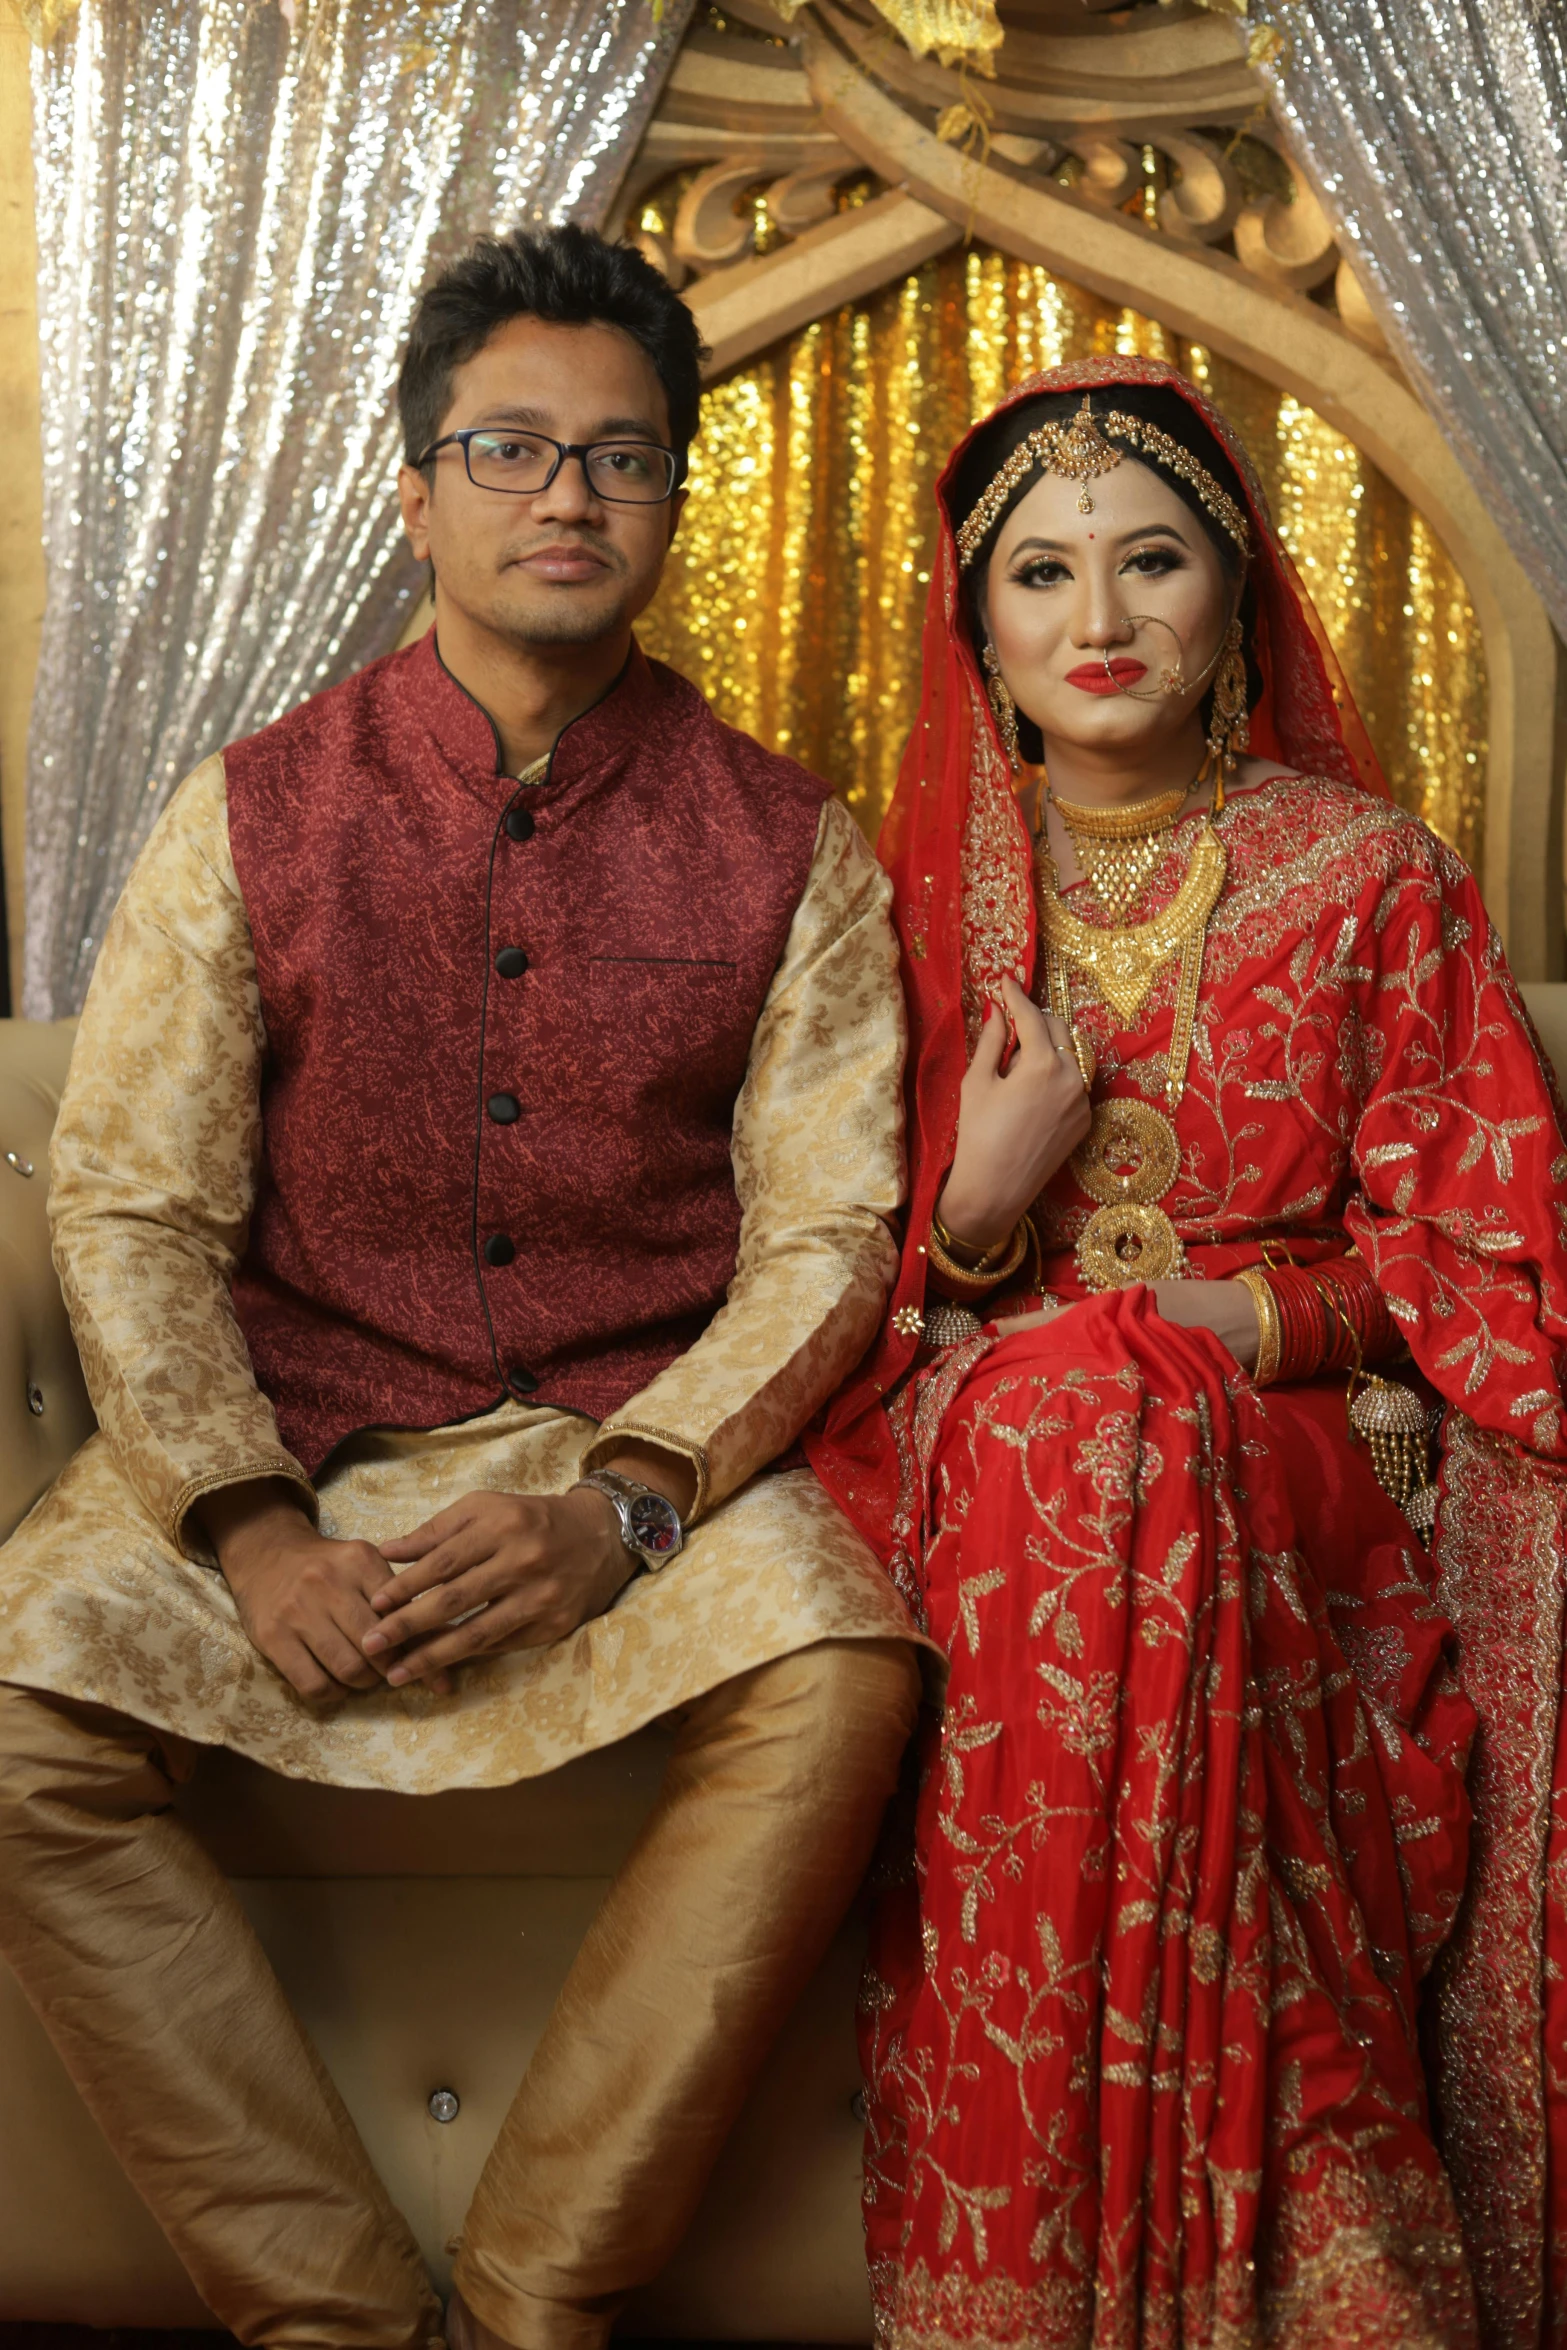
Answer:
(1143, 2023)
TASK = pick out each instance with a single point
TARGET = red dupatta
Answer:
(958, 852)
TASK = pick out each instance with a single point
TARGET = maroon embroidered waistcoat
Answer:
(506, 1028)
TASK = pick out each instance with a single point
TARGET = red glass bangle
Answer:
(1331, 1316)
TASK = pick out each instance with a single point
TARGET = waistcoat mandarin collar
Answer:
(466, 736)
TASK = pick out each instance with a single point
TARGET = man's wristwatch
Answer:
(650, 1524)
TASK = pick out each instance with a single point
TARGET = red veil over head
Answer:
(959, 855)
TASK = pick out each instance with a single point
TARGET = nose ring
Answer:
(1171, 681)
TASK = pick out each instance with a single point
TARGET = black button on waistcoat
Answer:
(521, 1382)
(511, 962)
(499, 1249)
(504, 1108)
(519, 824)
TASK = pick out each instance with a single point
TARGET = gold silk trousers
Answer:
(133, 1948)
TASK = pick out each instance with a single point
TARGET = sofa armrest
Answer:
(44, 1411)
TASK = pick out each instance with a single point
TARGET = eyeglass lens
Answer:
(631, 473)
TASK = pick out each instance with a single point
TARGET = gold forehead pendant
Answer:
(1083, 454)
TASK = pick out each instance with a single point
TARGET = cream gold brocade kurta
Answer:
(108, 1591)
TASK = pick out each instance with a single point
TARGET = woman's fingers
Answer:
(1016, 1322)
(992, 1042)
(1060, 1036)
(1037, 1031)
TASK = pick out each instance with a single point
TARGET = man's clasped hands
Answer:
(494, 1572)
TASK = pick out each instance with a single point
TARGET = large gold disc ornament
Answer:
(1131, 1153)
(1131, 1242)
(1129, 1161)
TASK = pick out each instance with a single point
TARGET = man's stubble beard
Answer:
(563, 626)
(566, 616)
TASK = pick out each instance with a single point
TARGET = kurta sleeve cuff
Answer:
(818, 1159)
(153, 1174)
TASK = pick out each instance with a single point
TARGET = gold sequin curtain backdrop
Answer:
(797, 588)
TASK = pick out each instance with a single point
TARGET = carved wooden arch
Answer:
(1248, 309)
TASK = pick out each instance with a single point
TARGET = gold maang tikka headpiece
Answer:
(1081, 451)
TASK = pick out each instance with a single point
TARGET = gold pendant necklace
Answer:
(1132, 1155)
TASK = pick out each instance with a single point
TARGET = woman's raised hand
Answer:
(1014, 1129)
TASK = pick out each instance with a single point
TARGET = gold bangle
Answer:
(1270, 1330)
(966, 1277)
(966, 1253)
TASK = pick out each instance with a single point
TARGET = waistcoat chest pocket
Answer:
(670, 1024)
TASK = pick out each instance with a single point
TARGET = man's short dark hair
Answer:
(568, 276)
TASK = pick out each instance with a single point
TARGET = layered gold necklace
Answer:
(1132, 1155)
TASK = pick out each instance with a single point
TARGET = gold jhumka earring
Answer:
(1229, 726)
(1003, 705)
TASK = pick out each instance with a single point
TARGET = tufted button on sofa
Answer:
(422, 1940)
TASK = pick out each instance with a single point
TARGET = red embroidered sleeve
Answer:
(1462, 1205)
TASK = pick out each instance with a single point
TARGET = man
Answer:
(490, 1079)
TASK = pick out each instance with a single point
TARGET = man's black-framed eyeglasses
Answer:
(521, 464)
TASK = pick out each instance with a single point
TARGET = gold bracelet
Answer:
(1270, 1330)
(964, 1252)
(966, 1278)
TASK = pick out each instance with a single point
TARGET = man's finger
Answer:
(370, 1569)
(300, 1670)
(434, 1611)
(424, 1538)
(501, 1624)
(336, 1654)
(450, 1558)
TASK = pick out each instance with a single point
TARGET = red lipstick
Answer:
(1095, 677)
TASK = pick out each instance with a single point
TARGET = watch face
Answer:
(655, 1524)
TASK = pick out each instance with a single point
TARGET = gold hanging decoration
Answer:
(1389, 1417)
(958, 31)
(1131, 1158)
(42, 19)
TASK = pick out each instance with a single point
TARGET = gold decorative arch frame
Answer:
(796, 110)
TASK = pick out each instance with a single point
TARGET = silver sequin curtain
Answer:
(1433, 131)
(236, 213)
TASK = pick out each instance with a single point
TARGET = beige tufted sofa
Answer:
(422, 1941)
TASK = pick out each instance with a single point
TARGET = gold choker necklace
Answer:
(1118, 848)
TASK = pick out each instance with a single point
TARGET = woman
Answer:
(1223, 1098)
